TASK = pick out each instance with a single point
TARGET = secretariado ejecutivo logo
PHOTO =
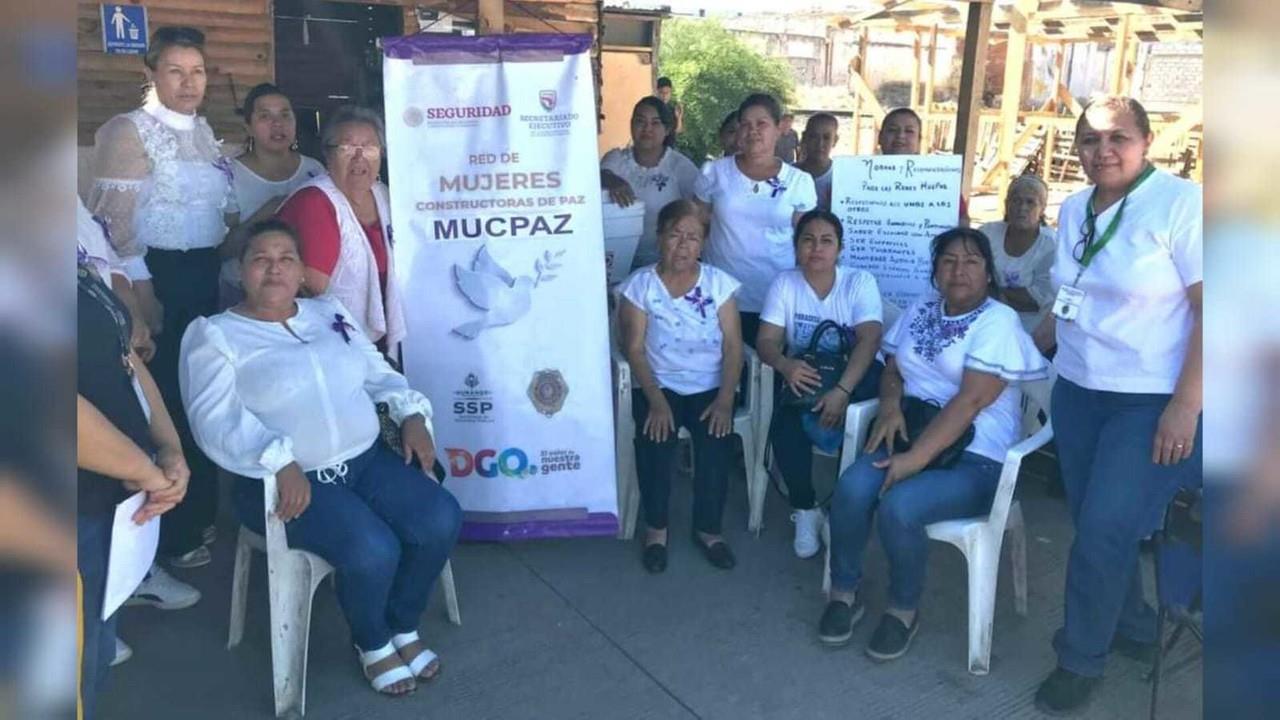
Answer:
(549, 123)
(454, 114)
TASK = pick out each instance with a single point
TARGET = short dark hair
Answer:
(764, 100)
(260, 90)
(902, 111)
(664, 82)
(677, 210)
(1119, 104)
(730, 118)
(965, 235)
(172, 36)
(818, 118)
(270, 225)
(664, 112)
(818, 214)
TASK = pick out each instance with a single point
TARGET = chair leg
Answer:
(984, 566)
(1157, 661)
(826, 563)
(290, 587)
(239, 590)
(450, 593)
(748, 461)
(1018, 555)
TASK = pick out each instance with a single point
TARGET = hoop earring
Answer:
(248, 145)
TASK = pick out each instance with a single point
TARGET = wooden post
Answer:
(1050, 141)
(1011, 99)
(929, 79)
(969, 107)
(863, 41)
(1121, 52)
(915, 74)
(490, 14)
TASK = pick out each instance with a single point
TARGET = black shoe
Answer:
(836, 626)
(1143, 652)
(892, 638)
(655, 557)
(1064, 692)
(717, 553)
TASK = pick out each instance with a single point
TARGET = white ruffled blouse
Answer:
(260, 395)
(161, 181)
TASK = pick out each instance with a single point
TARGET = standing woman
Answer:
(755, 201)
(270, 169)
(799, 300)
(648, 170)
(1126, 407)
(163, 188)
(685, 349)
(343, 220)
(1023, 246)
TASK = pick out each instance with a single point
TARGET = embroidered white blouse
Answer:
(161, 181)
(260, 395)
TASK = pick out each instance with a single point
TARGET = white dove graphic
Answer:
(489, 287)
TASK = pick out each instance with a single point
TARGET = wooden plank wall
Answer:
(238, 36)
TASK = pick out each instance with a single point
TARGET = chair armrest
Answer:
(857, 423)
(1030, 444)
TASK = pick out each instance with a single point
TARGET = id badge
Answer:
(1067, 305)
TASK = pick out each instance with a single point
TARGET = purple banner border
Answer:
(593, 525)
(406, 47)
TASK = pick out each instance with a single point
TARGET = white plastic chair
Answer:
(750, 422)
(978, 538)
(292, 579)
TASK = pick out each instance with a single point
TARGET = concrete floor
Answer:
(577, 629)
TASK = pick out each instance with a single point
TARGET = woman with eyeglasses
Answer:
(1126, 406)
(163, 190)
(343, 220)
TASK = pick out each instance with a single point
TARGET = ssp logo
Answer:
(512, 462)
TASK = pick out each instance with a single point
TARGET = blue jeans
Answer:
(964, 490)
(1116, 497)
(98, 639)
(386, 528)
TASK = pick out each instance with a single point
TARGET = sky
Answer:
(715, 7)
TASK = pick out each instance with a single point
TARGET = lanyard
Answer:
(1092, 248)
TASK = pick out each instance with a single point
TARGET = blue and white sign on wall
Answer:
(124, 29)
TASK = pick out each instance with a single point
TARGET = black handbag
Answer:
(918, 414)
(830, 365)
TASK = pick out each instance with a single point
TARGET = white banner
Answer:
(495, 194)
(891, 207)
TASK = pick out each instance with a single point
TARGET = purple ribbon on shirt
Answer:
(777, 186)
(340, 325)
(699, 302)
(224, 164)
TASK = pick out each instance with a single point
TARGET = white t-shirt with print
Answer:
(793, 305)
(673, 178)
(933, 350)
(1030, 270)
(1135, 321)
(751, 231)
(683, 340)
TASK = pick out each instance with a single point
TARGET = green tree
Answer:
(713, 71)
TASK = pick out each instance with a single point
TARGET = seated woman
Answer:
(959, 350)
(1023, 246)
(685, 348)
(799, 300)
(649, 171)
(287, 386)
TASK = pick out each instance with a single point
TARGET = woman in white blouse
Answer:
(1126, 406)
(1023, 246)
(286, 386)
(755, 200)
(680, 324)
(648, 170)
(265, 174)
(163, 188)
(960, 351)
(799, 300)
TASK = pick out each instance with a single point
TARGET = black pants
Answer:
(186, 283)
(656, 462)
(791, 445)
(98, 637)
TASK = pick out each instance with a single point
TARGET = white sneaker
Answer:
(162, 590)
(808, 523)
(123, 652)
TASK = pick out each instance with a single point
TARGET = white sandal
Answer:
(389, 677)
(424, 658)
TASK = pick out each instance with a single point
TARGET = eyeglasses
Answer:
(1087, 231)
(349, 151)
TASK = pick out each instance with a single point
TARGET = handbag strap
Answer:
(824, 326)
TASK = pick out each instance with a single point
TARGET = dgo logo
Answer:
(512, 462)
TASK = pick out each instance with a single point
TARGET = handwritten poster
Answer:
(891, 207)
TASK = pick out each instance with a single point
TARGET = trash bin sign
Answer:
(124, 29)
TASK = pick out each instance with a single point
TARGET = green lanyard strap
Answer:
(1092, 248)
